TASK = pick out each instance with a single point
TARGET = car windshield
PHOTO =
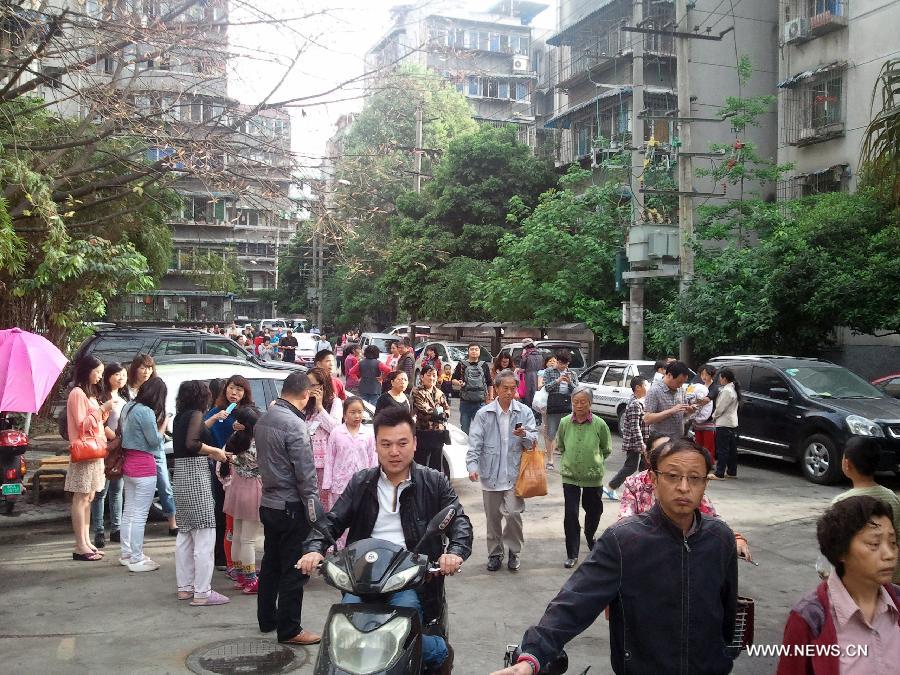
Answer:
(383, 344)
(576, 360)
(830, 382)
(461, 353)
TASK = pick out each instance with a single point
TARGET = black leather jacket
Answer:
(428, 493)
(672, 599)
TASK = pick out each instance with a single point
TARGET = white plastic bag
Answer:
(539, 403)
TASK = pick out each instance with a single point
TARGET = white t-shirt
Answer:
(387, 523)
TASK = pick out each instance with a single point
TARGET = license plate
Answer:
(12, 489)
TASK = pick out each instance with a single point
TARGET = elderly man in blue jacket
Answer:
(499, 434)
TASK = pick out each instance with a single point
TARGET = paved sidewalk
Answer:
(54, 506)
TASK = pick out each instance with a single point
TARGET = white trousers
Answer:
(243, 543)
(194, 560)
(138, 498)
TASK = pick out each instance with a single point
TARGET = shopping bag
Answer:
(539, 403)
(522, 390)
(532, 480)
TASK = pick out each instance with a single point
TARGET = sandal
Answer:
(86, 557)
(185, 595)
(213, 599)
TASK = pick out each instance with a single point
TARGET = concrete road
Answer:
(61, 616)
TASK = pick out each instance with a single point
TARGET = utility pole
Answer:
(418, 151)
(685, 164)
(411, 326)
(636, 287)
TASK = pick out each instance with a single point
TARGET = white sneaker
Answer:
(610, 494)
(124, 562)
(146, 565)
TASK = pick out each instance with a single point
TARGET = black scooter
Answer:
(373, 638)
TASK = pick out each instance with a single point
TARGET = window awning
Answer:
(794, 80)
(207, 194)
(563, 119)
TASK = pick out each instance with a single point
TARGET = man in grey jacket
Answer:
(284, 455)
(499, 433)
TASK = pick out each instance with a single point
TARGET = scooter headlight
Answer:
(339, 577)
(360, 653)
(399, 580)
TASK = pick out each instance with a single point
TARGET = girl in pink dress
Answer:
(323, 415)
(351, 448)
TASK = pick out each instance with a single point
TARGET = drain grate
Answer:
(245, 655)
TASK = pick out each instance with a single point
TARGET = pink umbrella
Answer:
(29, 367)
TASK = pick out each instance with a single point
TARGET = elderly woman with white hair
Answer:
(583, 441)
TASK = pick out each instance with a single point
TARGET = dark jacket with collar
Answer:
(429, 492)
(672, 599)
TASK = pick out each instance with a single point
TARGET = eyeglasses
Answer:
(676, 478)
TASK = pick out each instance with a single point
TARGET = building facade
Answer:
(485, 55)
(231, 164)
(830, 54)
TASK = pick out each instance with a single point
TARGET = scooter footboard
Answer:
(370, 638)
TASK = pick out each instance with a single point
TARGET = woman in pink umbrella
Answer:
(85, 416)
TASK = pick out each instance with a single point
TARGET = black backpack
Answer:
(475, 387)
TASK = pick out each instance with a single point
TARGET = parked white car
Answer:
(266, 387)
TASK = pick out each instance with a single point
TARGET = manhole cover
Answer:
(245, 655)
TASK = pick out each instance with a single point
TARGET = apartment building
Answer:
(232, 164)
(830, 53)
(485, 54)
(597, 71)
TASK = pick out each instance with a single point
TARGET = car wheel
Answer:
(620, 419)
(820, 460)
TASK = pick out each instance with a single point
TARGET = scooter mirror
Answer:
(317, 519)
(438, 524)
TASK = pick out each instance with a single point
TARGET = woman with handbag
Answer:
(87, 445)
(113, 390)
(143, 422)
(430, 408)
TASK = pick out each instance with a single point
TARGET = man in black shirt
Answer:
(288, 346)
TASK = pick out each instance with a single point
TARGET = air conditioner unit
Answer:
(797, 29)
(520, 63)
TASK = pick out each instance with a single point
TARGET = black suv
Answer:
(805, 410)
(123, 344)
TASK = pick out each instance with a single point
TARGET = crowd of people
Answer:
(239, 470)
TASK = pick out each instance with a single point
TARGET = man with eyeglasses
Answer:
(668, 576)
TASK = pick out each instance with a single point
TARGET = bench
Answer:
(51, 468)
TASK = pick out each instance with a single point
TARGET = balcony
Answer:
(808, 19)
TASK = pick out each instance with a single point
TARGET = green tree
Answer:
(375, 169)
(442, 237)
(560, 264)
(218, 272)
(831, 260)
(883, 133)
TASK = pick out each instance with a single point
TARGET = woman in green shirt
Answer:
(583, 441)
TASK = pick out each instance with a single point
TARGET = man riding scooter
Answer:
(394, 502)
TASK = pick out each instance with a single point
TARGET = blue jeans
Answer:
(467, 410)
(112, 491)
(164, 487)
(434, 648)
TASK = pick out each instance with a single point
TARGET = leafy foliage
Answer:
(560, 265)
(789, 279)
(882, 136)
